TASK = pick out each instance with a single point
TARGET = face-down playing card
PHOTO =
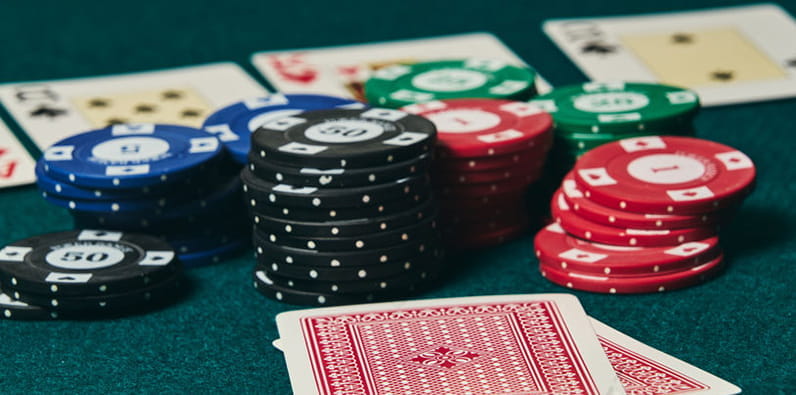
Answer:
(513, 344)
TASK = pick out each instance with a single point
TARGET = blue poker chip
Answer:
(214, 255)
(128, 156)
(234, 124)
(65, 190)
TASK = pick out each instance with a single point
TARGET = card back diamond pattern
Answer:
(470, 349)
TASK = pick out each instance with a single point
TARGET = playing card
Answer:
(49, 111)
(728, 55)
(342, 71)
(16, 164)
(509, 344)
(645, 370)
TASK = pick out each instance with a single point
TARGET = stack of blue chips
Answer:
(174, 182)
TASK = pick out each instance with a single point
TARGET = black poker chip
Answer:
(340, 138)
(107, 303)
(340, 177)
(283, 195)
(268, 253)
(419, 231)
(346, 228)
(380, 209)
(307, 298)
(349, 273)
(397, 282)
(11, 309)
(86, 262)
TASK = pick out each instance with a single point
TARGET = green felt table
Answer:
(738, 326)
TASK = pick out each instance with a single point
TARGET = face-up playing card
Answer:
(730, 55)
(16, 164)
(510, 344)
(342, 71)
(645, 370)
(49, 111)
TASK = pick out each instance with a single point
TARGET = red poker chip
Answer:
(665, 175)
(483, 176)
(487, 214)
(534, 157)
(632, 285)
(594, 212)
(459, 240)
(568, 253)
(513, 184)
(473, 223)
(485, 127)
(592, 231)
(506, 200)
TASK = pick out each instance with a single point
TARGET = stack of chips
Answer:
(488, 153)
(342, 206)
(591, 114)
(86, 274)
(641, 215)
(170, 181)
(401, 85)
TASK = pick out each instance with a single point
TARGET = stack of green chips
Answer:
(592, 114)
(401, 85)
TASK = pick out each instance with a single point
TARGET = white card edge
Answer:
(719, 386)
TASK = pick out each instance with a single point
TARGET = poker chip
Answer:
(85, 262)
(647, 284)
(419, 231)
(641, 215)
(130, 156)
(269, 289)
(306, 196)
(482, 127)
(486, 176)
(566, 252)
(665, 175)
(330, 139)
(86, 274)
(400, 85)
(264, 208)
(346, 228)
(215, 254)
(11, 309)
(169, 181)
(592, 231)
(234, 124)
(619, 107)
(594, 212)
(509, 185)
(107, 303)
(524, 159)
(489, 152)
(397, 283)
(338, 178)
(342, 197)
(589, 115)
(269, 253)
(486, 237)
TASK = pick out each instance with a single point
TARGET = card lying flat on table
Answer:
(16, 164)
(343, 70)
(729, 55)
(645, 370)
(509, 344)
(49, 111)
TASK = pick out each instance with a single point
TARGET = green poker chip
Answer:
(400, 85)
(595, 107)
(587, 141)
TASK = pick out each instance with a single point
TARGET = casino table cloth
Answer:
(218, 338)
